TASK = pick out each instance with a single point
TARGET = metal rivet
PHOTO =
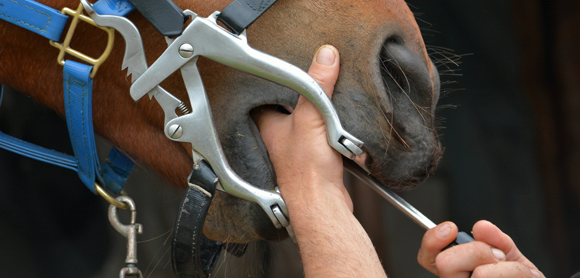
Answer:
(175, 131)
(186, 50)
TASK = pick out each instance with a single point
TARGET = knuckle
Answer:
(322, 77)
(481, 251)
(442, 263)
(523, 269)
(480, 272)
(301, 100)
(423, 260)
(430, 243)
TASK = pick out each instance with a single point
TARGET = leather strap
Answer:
(164, 15)
(33, 151)
(79, 117)
(114, 173)
(240, 14)
(50, 23)
(77, 102)
(192, 254)
(113, 7)
(34, 16)
(116, 170)
(29, 150)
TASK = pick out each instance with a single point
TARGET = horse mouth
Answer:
(394, 120)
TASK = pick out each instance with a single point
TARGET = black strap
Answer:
(240, 14)
(1, 93)
(164, 15)
(193, 254)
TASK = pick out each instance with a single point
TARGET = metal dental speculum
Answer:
(204, 37)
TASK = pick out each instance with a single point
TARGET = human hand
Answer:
(309, 172)
(316, 167)
(493, 254)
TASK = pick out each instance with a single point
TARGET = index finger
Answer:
(489, 233)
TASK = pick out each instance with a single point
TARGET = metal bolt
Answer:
(186, 50)
(175, 131)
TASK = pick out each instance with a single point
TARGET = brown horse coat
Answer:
(385, 95)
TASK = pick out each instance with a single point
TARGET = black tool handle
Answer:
(1, 93)
(164, 15)
(462, 237)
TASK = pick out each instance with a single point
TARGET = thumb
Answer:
(434, 241)
(324, 69)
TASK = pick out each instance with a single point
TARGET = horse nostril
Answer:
(393, 74)
(391, 71)
(404, 73)
(394, 39)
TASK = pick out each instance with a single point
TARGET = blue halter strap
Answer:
(78, 85)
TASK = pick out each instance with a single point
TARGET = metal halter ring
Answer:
(111, 199)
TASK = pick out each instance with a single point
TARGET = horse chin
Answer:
(404, 167)
(248, 156)
(399, 155)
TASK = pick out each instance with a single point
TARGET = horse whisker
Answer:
(418, 108)
(384, 135)
(168, 261)
(160, 259)
(157, 253)
(392, 120)
(151, 239)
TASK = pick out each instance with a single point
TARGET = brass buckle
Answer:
(112, 200)
(64, 47)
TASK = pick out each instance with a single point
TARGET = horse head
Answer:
(385, 95)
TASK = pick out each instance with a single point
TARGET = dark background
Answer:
(512, 157)
(511, 136)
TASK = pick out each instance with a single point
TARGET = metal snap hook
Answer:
(130, 232)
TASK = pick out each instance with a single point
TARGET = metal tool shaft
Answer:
(389, 195)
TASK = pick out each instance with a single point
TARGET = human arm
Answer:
(309, 172)
(331, 241)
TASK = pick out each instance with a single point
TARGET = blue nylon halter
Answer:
(78, 85)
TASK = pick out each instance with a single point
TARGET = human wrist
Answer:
(324, 227)
(314, 196)
(306, 185)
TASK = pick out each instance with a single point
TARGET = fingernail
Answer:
(498, 254)
(444, 231)
(536, 273)
(325, 56)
